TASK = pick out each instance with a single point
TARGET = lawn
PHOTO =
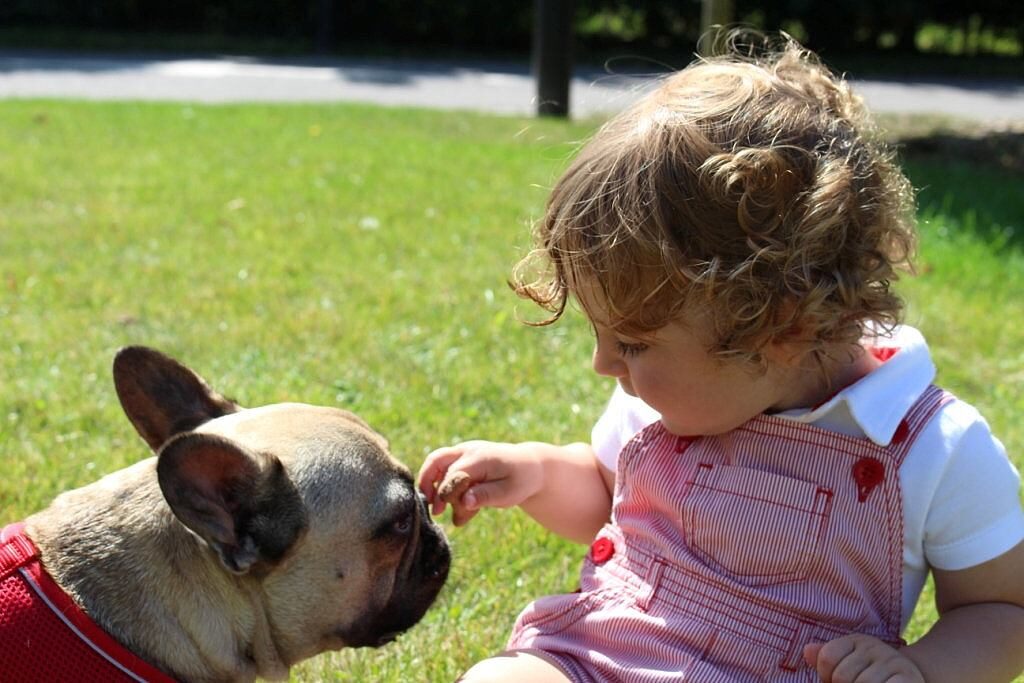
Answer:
(358, 256)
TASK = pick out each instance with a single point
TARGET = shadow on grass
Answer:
(999, 149)
(973, 178)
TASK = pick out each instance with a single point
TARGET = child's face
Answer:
(695, 392)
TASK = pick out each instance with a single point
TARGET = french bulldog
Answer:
(255, 538)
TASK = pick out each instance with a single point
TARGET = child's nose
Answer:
(608, 363)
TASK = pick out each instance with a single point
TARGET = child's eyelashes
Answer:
(629, 350)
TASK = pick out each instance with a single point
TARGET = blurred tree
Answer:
(647, 27)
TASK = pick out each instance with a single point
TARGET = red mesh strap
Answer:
(15, 549)
(45, 636)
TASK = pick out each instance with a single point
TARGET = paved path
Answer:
(504, 88)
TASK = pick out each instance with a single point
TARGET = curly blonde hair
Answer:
(755, 187)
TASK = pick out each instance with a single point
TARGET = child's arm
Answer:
(978, 636)
(563, 487)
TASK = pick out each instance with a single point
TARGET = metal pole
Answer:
(552, 55)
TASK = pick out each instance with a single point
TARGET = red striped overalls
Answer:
(725, 555)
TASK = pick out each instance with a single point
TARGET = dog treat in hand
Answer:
(453, 486)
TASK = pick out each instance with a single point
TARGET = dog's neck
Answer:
(267, 659)
(162, 592)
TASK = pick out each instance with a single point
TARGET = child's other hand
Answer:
(495, 475)
(860, 659)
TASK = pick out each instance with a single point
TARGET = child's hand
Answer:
(860, 659)
(478, 474)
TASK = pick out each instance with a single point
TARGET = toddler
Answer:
(775, 474)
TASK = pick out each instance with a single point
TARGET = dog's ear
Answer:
(162, 397)
(242, 504)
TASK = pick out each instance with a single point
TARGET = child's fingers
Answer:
(434, 468)
(858, 657)
(495, 494)
(464, 498)
(448, 473)
(852, 667)
(811, 651)
(455, 491)
(437, 506)
(461, 514)
(827, 656)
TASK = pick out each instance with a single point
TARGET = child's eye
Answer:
(628, 350)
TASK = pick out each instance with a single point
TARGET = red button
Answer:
(868, 473)
(602, 550)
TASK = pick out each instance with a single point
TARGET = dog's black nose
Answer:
(435, 555)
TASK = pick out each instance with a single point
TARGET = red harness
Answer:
(45, 636)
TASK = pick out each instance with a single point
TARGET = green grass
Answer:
(357, 256)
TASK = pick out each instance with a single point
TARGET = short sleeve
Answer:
(976, 513)
(624, 416)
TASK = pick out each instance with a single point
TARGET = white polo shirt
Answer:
(961, 502)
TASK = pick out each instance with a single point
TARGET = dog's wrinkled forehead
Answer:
(294, 431)
(329, 453)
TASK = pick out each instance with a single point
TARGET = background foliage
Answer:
(602, 27)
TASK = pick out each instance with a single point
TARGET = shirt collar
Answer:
(881, 399)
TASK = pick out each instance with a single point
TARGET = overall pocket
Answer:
(755, 527)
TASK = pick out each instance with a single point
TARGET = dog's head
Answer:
(305, 500)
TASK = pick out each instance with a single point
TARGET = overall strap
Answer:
(916, 419)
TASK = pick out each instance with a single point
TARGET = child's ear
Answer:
(788, 352)
(787, 344)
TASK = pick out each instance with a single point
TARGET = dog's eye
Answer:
(397, 529)
(403, 526)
